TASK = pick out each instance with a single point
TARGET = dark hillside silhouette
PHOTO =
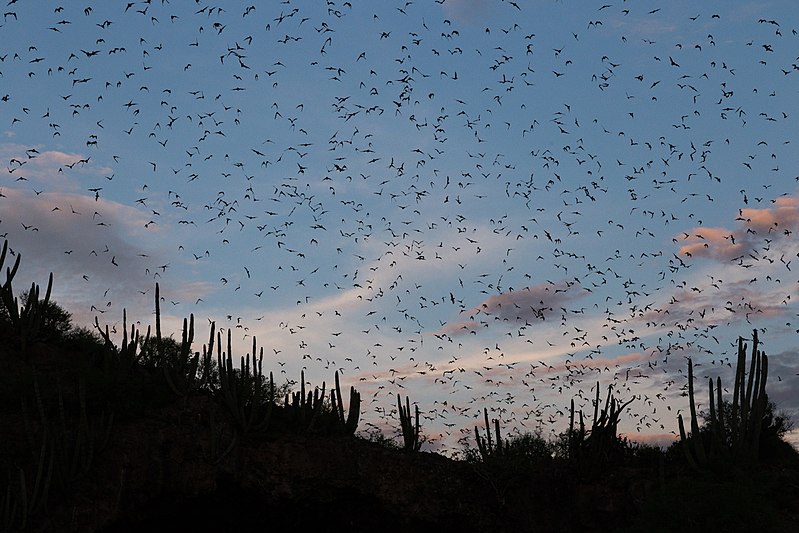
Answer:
(148, 435)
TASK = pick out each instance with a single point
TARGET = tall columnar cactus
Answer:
(75, 447)
(696, 456)
(740, 441)
(487, 447)
(120, 361)
(34, 492)
(410, 429)
(243, 391)
(33, 496)
(6, 291)
(306, 409)
(217, 452)
(592, 449)
(349, 423)
(26, 320)
(576, 437)
(67, 448)
(10, 515)
(188, 372)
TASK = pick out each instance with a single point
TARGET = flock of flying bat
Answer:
(450, 198)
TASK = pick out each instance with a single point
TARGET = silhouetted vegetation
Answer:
(66, 393)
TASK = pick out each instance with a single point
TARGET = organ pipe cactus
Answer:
(9, 508)
(740, 441)
(216, 453)
(410, 429)
(67, 450)
(349, 423)
(486, 446)
(592, 448)
(306, 409)
(27, 319)
(34, 497)
(6, 292)
(188, 373)
(243, 391)
(75, 447)
(72, 447)
(693, 446)
(123, 359)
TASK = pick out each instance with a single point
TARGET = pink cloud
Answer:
(526, 305)
(783, 216)
(715, 243)
(722, 244)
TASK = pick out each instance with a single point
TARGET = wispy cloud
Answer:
(523, 306)
(47, 169)
(468, 11)
(96, 248)
(754, 225)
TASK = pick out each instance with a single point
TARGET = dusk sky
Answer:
(478, 204)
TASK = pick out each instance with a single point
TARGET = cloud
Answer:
(99, 250)
(715, 243)
(467, 11)
(782, 217)
(49, 169)
(777, 222)
(529, 304)
(713, 302)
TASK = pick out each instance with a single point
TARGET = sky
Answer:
(474, 203)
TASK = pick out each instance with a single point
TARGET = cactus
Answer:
(120, 361)
(740, 442)
(26, 320)
(410, 430)
(188, 373)
(592, 449)
(486, 447)
(74, 448)
(696, 455)
(9, 509)
(306, 409)
(576, 438)
(33, 499)
(6, 292)
(66, 452)
(216, 454)
(350, 423)
(242, 392)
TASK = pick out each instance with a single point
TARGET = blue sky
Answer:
(474, 203)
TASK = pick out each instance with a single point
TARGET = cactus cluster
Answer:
(740, 442)
(245, 391)
(410, 427)
(349, 423)
(486, 446)
(63, 451)
(120, 361)
(26, 320)
(187, 373)
(306, 410)
(593, 447)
